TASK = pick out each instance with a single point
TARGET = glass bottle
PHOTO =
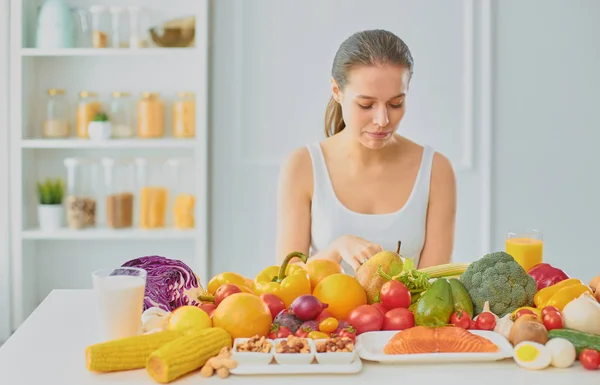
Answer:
(119, 185)
(151, 116)
(57, 121)
(153, 192)
(121, 115)
(100, 26)
(181, 174)
(82, 187)
(184, 115)
(87, 108)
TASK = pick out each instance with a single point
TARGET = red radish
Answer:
(307, 307)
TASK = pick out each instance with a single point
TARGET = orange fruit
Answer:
(321, 268)
(342, 293)
(189, 316)
(243, 315)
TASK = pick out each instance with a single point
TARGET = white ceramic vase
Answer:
(50, 217)
(99, 130)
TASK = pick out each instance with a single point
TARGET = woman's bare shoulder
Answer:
(296, 169)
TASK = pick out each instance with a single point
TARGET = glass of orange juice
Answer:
(525, 247)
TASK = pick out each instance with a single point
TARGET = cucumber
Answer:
(462, 299)
(580, 340)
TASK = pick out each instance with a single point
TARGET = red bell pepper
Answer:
(546, 275)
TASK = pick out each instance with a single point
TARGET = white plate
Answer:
(371, 346)
(314, 368)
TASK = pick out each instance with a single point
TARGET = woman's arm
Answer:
(293, 207)
(441, 214)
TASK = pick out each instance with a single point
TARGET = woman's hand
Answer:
(355, 250)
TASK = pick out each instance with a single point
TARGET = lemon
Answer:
(189, 317)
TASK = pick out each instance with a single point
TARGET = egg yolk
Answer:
(527, 353)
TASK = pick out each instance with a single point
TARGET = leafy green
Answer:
(101, 117)
(50, 192)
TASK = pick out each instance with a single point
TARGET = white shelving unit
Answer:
(42, 261)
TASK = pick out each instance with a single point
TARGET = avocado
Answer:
(435, 307)
(462, 299)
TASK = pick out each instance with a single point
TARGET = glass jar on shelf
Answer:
(82, 187)
(151, 116)
(183, 205)
(57, 120)
(87, 107)
(184, 115)
(117, 21)
(120, 114)
(153, 193)
(100, 26)
(119, 185)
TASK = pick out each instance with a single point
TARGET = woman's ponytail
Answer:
(334, 121)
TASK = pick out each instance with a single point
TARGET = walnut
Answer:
(255, 344)
(293, 344)
(336, 344)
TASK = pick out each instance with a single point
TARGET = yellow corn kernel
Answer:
(445, 270)
(126, 353)
(186, 354)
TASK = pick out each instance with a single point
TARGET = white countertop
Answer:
(49, 349)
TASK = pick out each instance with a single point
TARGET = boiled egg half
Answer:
(532, 355)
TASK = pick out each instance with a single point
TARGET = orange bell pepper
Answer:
(246, 285)
(287, 282)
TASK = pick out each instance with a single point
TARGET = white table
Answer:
(49, 349)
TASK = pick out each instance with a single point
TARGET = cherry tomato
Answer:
(473, 325)
(553, 320)
(461, 319)
(590, 359)
(225, 291)
(317, 335)
(365, 318)
(398, 319)
(302, 332)
(525, 311)
(348, 332)
(328, 325)
(394, 294)
(485, 321)
(278, 331)
(275, 304)
(549, 309)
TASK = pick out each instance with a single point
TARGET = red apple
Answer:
(275, 304)
(225, 291)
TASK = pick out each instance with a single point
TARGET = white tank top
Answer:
(330, 219)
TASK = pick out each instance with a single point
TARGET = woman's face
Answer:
(373, 103)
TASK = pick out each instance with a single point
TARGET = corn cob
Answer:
(446, 270)
(186, 354)
(126, 353)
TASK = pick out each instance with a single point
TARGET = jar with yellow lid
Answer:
(184, 115)
(121, 115)
(57, 123)
(151, 116)
(88, 106)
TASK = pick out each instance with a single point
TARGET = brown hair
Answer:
(366, 48)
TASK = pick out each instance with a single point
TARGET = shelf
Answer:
(91, 234)
(114, 143)
(76, 52)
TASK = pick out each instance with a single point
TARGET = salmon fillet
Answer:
(447, 339)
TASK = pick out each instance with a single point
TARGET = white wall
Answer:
(547, 127)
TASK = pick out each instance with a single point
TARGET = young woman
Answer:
(366, 187)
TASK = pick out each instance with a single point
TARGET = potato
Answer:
(528, 330)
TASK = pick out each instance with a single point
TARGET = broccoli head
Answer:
(499, 279)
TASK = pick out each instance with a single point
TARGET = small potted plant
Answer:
(50, 208)
(100, 127)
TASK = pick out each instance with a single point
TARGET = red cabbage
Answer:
(170, 283)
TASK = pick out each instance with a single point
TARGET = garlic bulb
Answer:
(504, 325)
(155, 318)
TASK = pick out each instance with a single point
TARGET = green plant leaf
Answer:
(50, 192)
(101, 117)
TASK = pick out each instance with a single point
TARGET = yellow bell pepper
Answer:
(287, 282)
(246, 285)
(543, 296)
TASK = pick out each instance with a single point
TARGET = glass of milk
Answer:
(119, 296)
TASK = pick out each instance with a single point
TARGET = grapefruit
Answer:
(321, 268)
(189, 316)
(243, 315)
(342, 293)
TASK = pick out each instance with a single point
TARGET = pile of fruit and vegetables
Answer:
(549, 318)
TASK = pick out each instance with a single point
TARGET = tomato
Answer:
(348, 332)
(278, 331)
(328, 325)
(461, 319)
(473, 325)
(225, 291)
(485, 321)
(590, 359)
(274, 303)
(398, 319)
(302, 332)
(549, 309)
(317, 335)
(525, 311)
(324, 314)
(395, 294)
(365, 318)
(380, 307)
(553, 320)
